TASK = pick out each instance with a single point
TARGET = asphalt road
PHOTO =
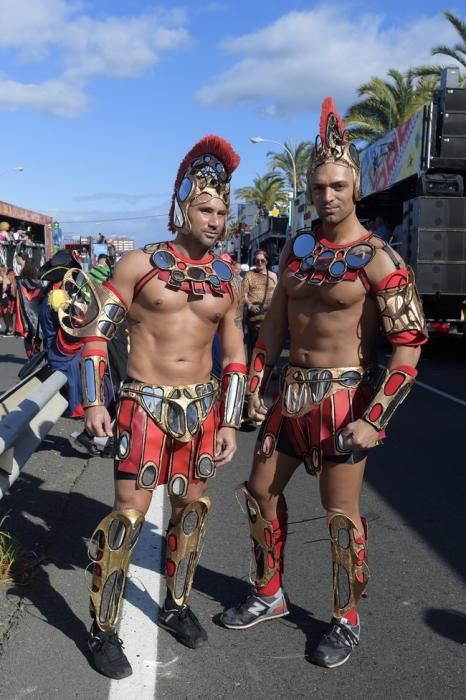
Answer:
(413, 642)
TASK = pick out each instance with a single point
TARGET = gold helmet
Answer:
(206, 169)
(332, 145)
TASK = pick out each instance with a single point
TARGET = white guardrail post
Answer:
(25, 425)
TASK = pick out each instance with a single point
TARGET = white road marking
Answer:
(140, 609)
(441, 393)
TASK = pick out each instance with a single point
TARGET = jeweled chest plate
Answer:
(212, 276)
(317, 263)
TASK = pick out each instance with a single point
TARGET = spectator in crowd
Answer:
(382, 229)
(259, 284)
(5, 231)
(7, 299)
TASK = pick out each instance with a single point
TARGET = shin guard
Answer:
(349, 555)
(268, 561)
(184, 542)
(110, 550)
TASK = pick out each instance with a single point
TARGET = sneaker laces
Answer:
(344, 631)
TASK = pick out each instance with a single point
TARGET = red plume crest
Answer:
(214, 145)
(328, 108)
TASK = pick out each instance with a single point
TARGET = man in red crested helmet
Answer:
(176, 422)
(338, 284)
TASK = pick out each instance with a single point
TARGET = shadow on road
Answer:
(45, 523)
(447, 623)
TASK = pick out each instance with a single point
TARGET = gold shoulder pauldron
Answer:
(401, 309)
(93, 310)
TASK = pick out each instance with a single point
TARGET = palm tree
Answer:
(282, 162)
(458, 52)
(265, 192)
(387, 104)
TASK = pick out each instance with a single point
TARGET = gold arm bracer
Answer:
(233, 388)
(349, 557)
(393, 388)
(401, 309)
(259, 371)
(110, 550)
(94, 310)
(93, 369)
(184, 544)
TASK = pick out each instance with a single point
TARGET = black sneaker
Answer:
(107, 653)
(84, 443)
(109, 449)
(183, 625)
(254, 609)
(336, 645)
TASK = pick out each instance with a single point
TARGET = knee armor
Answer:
(184, 544)
(110, 550)
(350, 571)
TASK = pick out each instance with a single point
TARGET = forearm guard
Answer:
(233, 387)
(259, 370)
(401, 309)
(393, 388)
(93, 311)
(93, 369)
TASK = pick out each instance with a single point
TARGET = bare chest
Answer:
(331, 295)
(158, 300)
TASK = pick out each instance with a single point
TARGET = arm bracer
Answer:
(94, 310)
(393, 388)
(93, 369)
(401, 309)
(233, 388)
(259, 370)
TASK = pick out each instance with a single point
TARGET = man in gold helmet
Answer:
(337, 285)
(176, 423)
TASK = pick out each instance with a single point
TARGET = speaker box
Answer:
(441, 185)
(441, 246)
(453, 147)
(454, 124)
(449, 278)
(454, 100)
(435, 212)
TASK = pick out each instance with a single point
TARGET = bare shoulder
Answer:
(131, 265)
(385, 261)
(273, 276)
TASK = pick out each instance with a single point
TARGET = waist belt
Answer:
(179, 410)
(303, 388)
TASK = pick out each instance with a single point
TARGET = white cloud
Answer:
(53, 96)
(79, 48)
(290, 65)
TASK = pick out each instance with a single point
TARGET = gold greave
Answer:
(110, 551)
(184, 543)
(263, 540)
(350, 571)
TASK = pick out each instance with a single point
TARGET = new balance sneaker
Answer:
(338, 642)
(183, 625)
(254, 609)
(84, 443)
(107, 653)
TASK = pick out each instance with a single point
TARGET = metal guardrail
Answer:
(29, 411)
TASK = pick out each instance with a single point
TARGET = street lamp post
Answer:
(259, 139)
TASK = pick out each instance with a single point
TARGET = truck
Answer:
(413, 177)
(32, 235)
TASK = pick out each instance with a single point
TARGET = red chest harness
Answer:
(198, 277)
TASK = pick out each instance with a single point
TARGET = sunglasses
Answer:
(258, 260)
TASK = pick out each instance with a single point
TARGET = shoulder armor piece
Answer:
(401, 309)
(93, 310)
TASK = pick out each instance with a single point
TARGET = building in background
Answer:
(122, 244)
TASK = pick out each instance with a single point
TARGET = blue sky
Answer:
(100, 99)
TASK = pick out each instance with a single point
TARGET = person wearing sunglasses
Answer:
(338, 284)
(258, 286)
(176, 422)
